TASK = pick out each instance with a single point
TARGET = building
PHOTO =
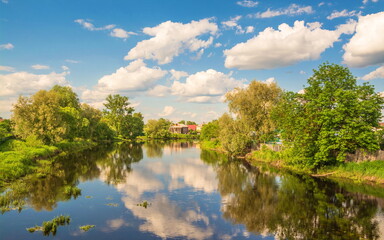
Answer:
(179, 128)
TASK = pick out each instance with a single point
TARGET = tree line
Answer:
(319, 126)
(56, 115)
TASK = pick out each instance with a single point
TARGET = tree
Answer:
(191, 123)
(157, 128)
(333, 117)
(210, 130)
(117, 108)
(253, 106)
(133, 126)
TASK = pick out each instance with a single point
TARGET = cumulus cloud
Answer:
(6, 46)
(176, 75)
(121, 33)
(247, 3)
(378, 73)
(249, 29)
(206, 83)
(366, 1)
(232, 24)
(39, 67)
(366, 46)
(291, 10)
(65, 68)
(344, 13)
(134, 77)
(170, 39)
(159, 91)
(7, 69)
(27, 83)
(283, 47)
(168, 110)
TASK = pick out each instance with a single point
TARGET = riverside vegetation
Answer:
(54, 121)
(332, 117)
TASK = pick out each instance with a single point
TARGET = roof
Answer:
(192, 127)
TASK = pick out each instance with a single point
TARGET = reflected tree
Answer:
(294, 207)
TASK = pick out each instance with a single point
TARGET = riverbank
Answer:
(19, 158)
(361, 172)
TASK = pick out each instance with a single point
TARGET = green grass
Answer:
(19, 158)
(210, 145)
(360, 172)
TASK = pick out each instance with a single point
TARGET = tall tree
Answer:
(253, 105)
(117, 108)
(333, 117)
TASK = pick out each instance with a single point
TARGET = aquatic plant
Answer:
(49, 227)
(85, 228)
(144, 204)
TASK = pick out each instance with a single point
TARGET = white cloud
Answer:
(71, 61)
(321, 4)
(134, 77)
(4, 1)
(232, 24)
(218, 45)
(366, 1)
(249, 29)
(27, 83)
(344, 13)
(366, 46)
(378, 73)
(176, 75)
(89, 26)
(168, 110)
(121, 33)
(170, 39)
(65, 68)
(7, 69)
(39, 67)
(159, 91)
(247, 3)
(270, 80)
(283, 47)
(7, 46)
(291, 10)
(201, 86)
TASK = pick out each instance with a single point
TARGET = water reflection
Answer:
(197, 194)
(294, 207)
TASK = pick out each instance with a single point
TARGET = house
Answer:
(192, 127)
(179, 128)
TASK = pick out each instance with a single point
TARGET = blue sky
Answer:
(177, 59)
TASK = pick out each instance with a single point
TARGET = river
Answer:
(174, 190)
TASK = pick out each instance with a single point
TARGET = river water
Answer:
(175, 190)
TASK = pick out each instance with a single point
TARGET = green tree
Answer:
(253, 107)
(157, 128)
(133, 125)
(5, 128)
(191, 123)
(117, 108)
(333, 117)
(210, 130)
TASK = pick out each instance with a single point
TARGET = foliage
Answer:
(253, 106)
(5, 129)
(334, 116)
(49, 227)
(133, 126)
(158, 128)
(234, 135)
(210, 130)
(86, 228)
(117, 108)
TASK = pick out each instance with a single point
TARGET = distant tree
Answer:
(157, 128)
(182, 122)
(210, 130)
(334, 116)
(133, 126)
(117, 108)
(191, 123)
(5, 128)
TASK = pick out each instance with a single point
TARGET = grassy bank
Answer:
(18, 158)
(367, 172)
